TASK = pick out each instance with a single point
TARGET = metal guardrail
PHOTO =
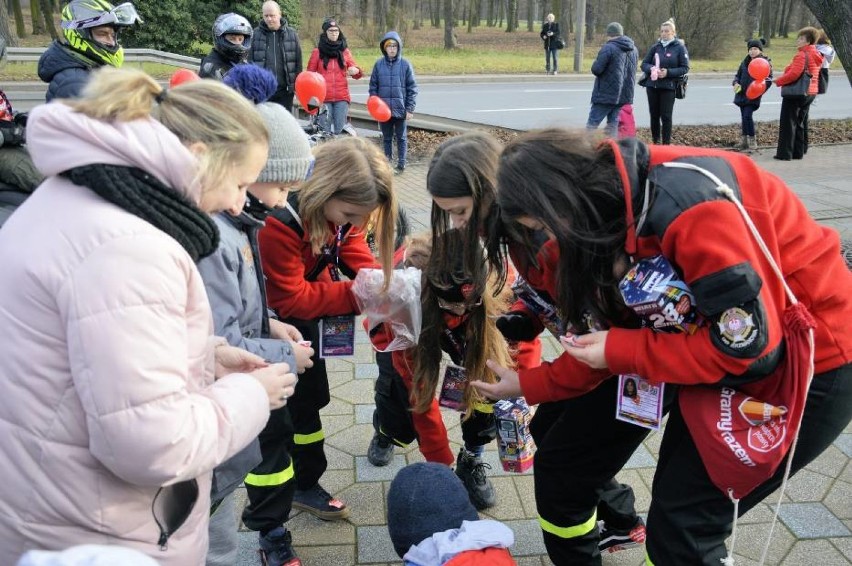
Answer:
(25, 54)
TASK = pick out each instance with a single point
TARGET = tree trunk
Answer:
(512, 16)
(38, 22)
(591, 22)
(47, 11)
(834, 16)
(491, 18)
(766, 21)
(501, 10)
(784, 27)
(362, 18)
(5, 30)
(751, 19)
(579, 29)
(19, 18)
(530, 15)
(449, 21)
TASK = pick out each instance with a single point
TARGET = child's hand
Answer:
(508, 386)
(588, 348)
(283, 331)
(353, 71)
(409, 115)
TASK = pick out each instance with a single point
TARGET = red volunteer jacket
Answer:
(288, 262)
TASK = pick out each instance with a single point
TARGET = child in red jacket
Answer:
(306, 248)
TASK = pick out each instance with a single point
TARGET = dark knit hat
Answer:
(614, 30)
(425, 498)
(290, 158)
(330, 23)
(759, 43)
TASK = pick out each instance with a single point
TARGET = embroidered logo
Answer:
(737, 329)
(248, 256)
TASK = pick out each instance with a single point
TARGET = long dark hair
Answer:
(559, 178)
(466, 166)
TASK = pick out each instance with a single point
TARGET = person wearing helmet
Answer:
(18, 175)
(90, 32)
(231, 43)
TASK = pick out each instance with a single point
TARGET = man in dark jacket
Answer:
(90, 30)
(276, 48)
(615, 71)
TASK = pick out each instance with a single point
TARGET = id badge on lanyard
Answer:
(336, 333)
(639, 402)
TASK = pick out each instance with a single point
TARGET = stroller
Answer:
(317, 127)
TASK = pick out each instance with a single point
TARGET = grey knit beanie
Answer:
(614, 30)
(425, 498)
(290, 158)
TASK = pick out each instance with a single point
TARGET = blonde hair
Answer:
(355, 171)
(204, 111)
(670, 23)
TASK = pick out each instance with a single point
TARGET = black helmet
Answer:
(80, 16)
(232, 23)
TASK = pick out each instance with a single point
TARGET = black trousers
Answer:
(284, 98)
(270, 486)
(578, 455)
(690, 518)
(392, 416)
(311, 395)
(661, 106)
(792, 141)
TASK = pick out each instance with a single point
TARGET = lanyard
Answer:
(457, 346)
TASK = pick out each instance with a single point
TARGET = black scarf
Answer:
(142, 194)
(328, 50)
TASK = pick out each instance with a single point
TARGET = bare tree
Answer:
(5, 30)
(834, 16)
(19, 18)
(530, 15)
(48, 8)
(511, 15)
(35, 16)
(450, 41)
(750, 21)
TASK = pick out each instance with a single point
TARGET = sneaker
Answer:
(400, 168)
(380, 452)
(471, 470)
(320, 503)
(276, 548)
(613, 540)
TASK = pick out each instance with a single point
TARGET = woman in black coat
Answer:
(550, 36)
(664, 65)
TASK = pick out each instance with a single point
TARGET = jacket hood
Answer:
(473, 535)
(394, 36)
(57, 58)
(623, 42)
(59, 139)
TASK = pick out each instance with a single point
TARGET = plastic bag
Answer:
(399, 308)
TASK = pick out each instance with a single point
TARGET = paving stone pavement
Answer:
(815, 525)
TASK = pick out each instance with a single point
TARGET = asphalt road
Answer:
(560, 102)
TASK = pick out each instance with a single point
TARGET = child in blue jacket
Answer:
(393, 81)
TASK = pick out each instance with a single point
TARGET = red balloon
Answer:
(755, 90)
(378, 109)
(310, 90)
(182, 76)
(759, 68)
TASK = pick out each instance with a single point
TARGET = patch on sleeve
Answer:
(740, 331)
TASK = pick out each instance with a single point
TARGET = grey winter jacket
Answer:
(615, 72)
(235, 288)
(66, 71)
(278, 51)
(393, 80)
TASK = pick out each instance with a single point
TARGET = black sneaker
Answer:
(400, 168)
(320, 503)
(613, 540)
(380, 452)
(276, 548)
(471, 470)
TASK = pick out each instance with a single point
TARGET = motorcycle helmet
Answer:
(79, 17)
(228, 24)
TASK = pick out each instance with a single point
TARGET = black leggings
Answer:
(661, 105)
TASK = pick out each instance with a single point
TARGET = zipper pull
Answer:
(163, 541)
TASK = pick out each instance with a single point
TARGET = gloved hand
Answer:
(11, 134)
(518, 326)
